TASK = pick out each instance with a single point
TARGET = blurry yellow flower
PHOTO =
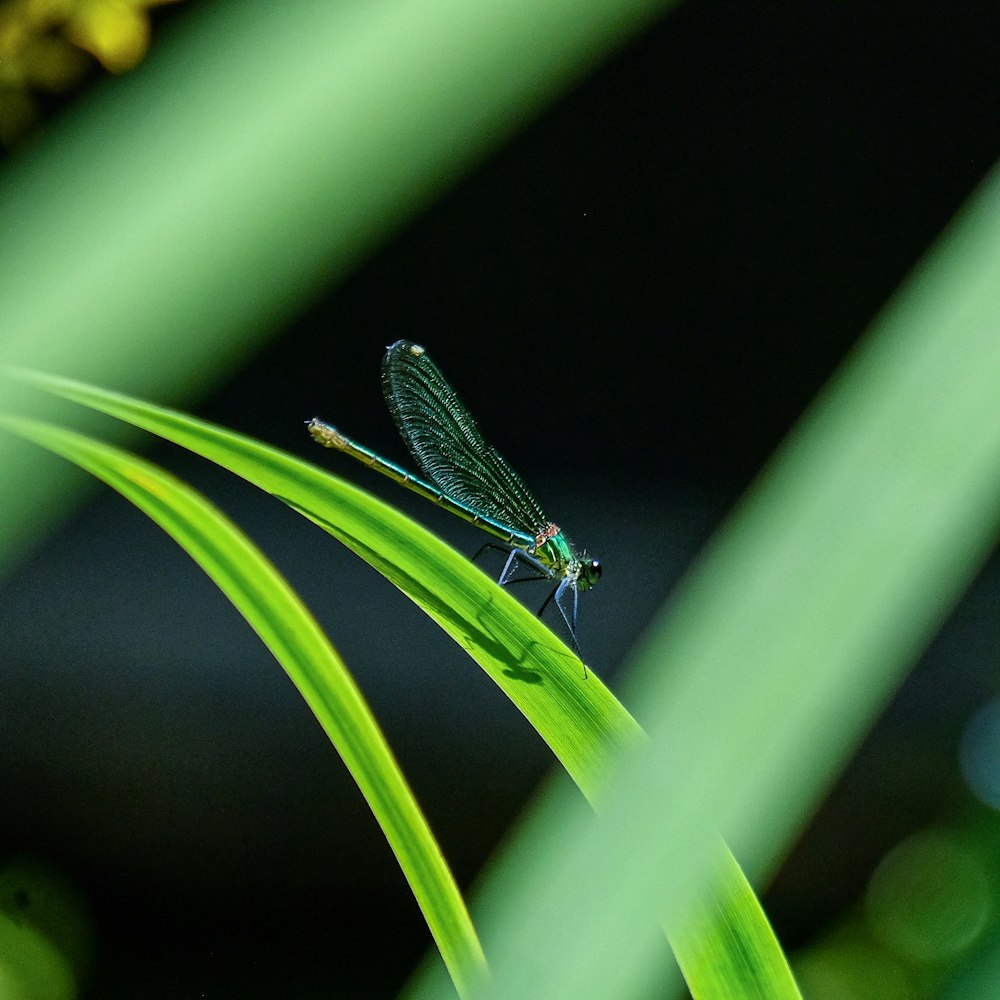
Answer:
(115, 32)
(44, 46)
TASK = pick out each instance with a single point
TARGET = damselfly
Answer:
(467, 476)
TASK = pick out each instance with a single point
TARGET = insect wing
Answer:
(448, 446)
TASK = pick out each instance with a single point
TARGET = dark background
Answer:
(637, 297)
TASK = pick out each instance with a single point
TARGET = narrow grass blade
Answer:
(273, 610)
(582, 721)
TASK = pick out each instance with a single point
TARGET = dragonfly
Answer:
(467, 476)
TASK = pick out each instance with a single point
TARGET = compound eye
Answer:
(595, 569)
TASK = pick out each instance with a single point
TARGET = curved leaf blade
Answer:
(287, 628)
(777, 652)
(581, 720)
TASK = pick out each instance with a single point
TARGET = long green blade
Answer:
(161, 231)
(274, 611)
(725, 945)
(787, 638)
(582, 722)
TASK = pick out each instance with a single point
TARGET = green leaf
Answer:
(287, 628)
(789, 635)
(725, 945)
(581, 720)
(243, 169)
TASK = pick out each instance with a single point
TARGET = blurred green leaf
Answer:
(725, 943)
(162, 230)
(785, 640)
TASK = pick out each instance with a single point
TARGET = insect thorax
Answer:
(552, 548)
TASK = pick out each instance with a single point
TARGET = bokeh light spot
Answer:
(979, 753)
(851, 970)
(929, 897)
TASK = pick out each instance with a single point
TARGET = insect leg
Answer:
(519, 560)
(568, 612)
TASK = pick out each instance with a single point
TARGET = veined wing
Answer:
(448, 446)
